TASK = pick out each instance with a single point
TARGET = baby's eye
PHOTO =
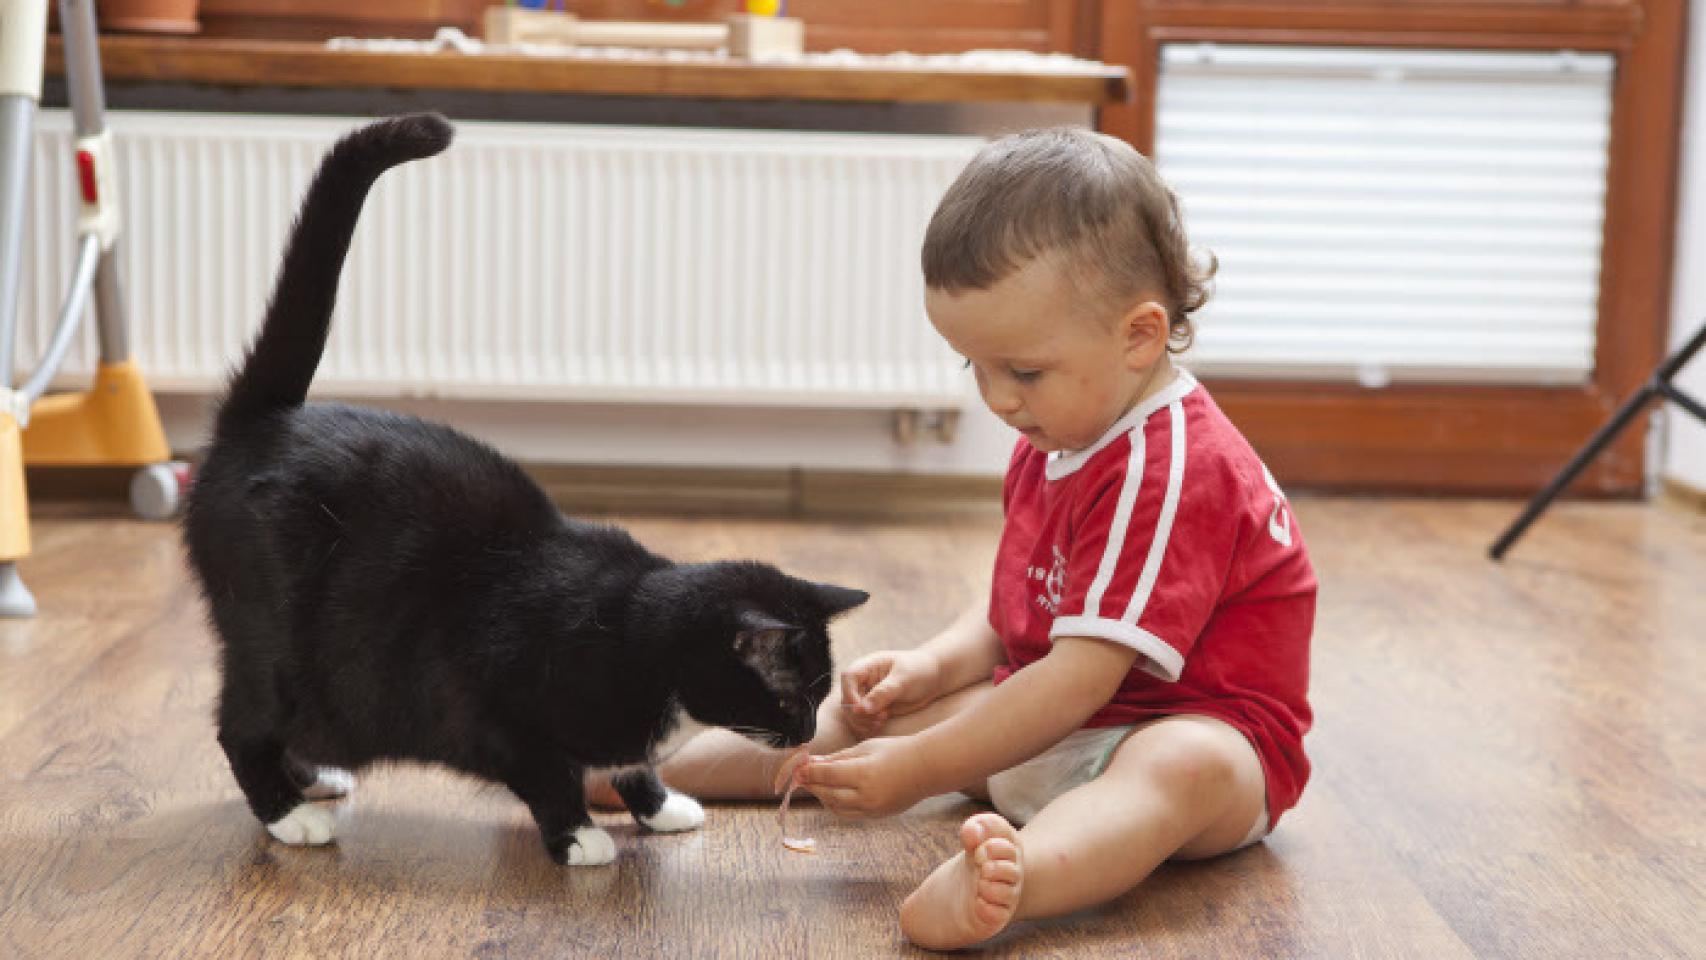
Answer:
(967, 364)
(1026, 376)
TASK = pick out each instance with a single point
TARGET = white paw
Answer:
(330, 783)
(307, 824)
(679, 812)
(592, 848)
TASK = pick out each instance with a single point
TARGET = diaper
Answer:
(1019, 792)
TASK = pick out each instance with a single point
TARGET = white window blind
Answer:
(1391, 214)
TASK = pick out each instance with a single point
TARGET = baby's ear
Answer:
(1145, 328)
(838, 600)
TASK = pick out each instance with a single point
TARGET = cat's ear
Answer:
(760, 632)
(838, 600)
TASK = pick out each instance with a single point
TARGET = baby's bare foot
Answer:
(972, 896)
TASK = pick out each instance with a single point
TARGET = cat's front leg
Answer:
(655, 805)
(553, 791)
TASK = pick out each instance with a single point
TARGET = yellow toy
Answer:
(114, 423)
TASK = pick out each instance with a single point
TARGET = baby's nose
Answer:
(1002, 403)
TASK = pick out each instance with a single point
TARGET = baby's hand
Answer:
(875, 778)
(888, 684)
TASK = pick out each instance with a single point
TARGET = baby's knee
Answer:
(1191, 757)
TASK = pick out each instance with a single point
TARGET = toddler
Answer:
(1134, 689)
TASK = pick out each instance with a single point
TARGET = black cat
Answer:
(389, 589)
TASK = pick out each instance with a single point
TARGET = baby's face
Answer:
(1054, 374)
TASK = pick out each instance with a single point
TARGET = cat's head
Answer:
(752, 647)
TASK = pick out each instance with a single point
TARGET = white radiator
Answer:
(531, 261)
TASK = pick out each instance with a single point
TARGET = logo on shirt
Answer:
(1053, 581)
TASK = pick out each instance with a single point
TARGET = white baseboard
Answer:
(700, 437)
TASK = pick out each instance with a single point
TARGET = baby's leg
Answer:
(1187, 787)
(719, 765)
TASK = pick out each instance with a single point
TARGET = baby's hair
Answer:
(1090, 200)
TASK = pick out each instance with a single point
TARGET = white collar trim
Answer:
(1062, 463)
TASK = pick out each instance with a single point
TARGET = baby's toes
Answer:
(979, 831)
(998, 850)
(998, 883)
(994, 914)
(1004, 872)
(996, 896)
(1000, 872)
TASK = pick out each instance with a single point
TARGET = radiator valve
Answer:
(944, 425)
(906, 426)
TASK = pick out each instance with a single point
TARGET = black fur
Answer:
(388, 589)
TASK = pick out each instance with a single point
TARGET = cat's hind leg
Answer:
(249, 724)
(655, 805)
(252, 720)
(258, 762)
(317, 782)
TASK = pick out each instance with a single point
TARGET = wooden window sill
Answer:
(307, 64)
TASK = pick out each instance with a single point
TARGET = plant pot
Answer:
(148, 16)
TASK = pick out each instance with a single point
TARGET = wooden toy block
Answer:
(752, 37)
(744, 35)
(513, 25)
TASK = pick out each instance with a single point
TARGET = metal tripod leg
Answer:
(115, 422)
(88, 114)
(17, 119)
(23, 32)
(1658, 385)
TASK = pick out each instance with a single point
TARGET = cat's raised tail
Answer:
(282, 361)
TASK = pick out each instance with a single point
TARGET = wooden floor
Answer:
(1511, 762)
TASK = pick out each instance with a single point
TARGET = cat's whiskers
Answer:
(714, 767)
(769, 738)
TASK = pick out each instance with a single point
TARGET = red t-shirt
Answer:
(1167, 535)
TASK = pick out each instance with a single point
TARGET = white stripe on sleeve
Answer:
(1164, 524)
(1129, 487)
(1158, 659)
